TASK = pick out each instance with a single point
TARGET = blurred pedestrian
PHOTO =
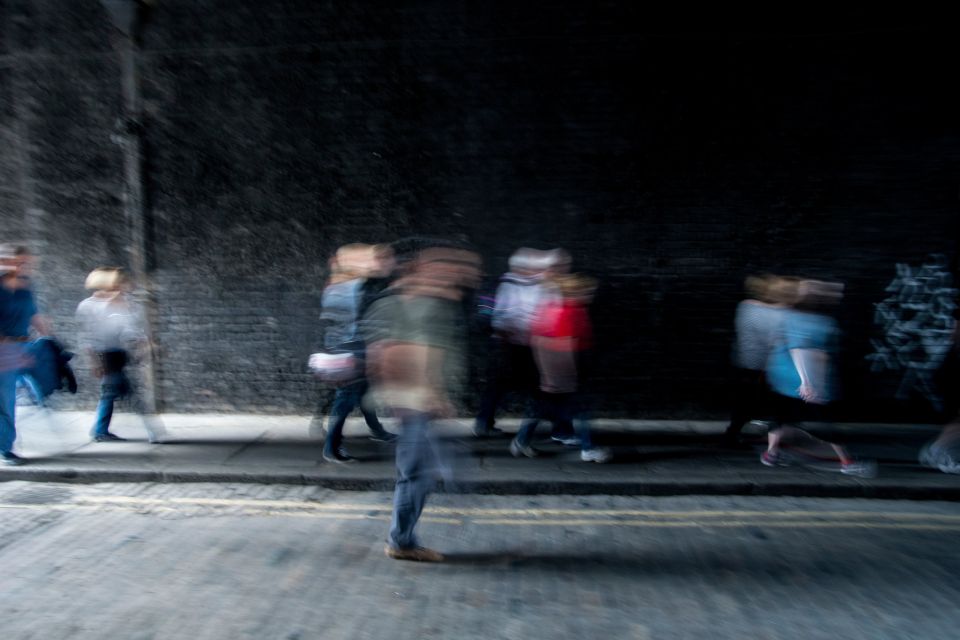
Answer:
(757, 323)
(112, 334)
(340, 315)
(379, 278)
(18, 315)
(560, 336)
(800, 371)
(512, 369)
(415, 332)
(943, 453)
(557, 264)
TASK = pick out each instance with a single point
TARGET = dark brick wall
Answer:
(671, 157)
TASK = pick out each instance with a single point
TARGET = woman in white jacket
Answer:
(111, 329)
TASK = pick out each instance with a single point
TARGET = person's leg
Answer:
(520, 445)
(784, 413)
(497, 383)
(567, 412)
(563, 430)
(775, 438)
(842, 453)
(943, 453)
(527, 382)
(849, 465)
(571, 426)
(111, 388)
(554, 407)
(343, 403)
(818, 413)
(155, 428)
(803, 447)
(949, 437)
(152, 424)
(564, 433)
(30, 384)
(564, 408)
(527, 428)
(581, 413)
(414, 479)
(317, 430)
(377, 432)
(8, 408)
(537, 410)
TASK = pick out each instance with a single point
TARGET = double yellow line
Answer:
(536, 517)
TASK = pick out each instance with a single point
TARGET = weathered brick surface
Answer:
(670, 160)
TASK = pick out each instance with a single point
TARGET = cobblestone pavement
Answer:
(139, 561)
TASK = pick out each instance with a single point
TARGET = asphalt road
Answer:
(138, 561)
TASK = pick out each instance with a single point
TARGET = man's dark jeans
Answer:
(347, 399)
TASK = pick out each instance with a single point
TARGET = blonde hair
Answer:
(106, 279)
(782, 290)
(575, 285)
(352, 261)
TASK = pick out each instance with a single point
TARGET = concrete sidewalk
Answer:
(651, 458)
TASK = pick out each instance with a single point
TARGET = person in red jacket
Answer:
(560, 334)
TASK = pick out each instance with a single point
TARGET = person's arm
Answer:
(96, 367)
(503, 301)
(811, 365)
(41, 324)
(85, 338)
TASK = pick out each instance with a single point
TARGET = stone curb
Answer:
(542, 486)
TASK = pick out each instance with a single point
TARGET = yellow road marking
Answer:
(241, 512)
(727, 524)
(348, 516)
(532, 512)
(673, 519)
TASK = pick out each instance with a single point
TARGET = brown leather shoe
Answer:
(416, 554)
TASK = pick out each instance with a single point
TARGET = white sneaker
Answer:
(949, 465)
(517, 450)
(600, 455)
(860, 468)
(156, 431)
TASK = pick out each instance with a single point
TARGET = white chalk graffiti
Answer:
(918, 324)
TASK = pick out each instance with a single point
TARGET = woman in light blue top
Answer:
(800, 371)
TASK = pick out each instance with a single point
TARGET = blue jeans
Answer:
(559, 409)
(113, 386)
(416, 475)
(8, 410)
(28, 382)
(347, 399)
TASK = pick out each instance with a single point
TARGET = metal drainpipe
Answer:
(128, 16)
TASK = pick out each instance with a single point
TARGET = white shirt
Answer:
(108, 324)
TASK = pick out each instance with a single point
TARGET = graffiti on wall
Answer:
(917, 325)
